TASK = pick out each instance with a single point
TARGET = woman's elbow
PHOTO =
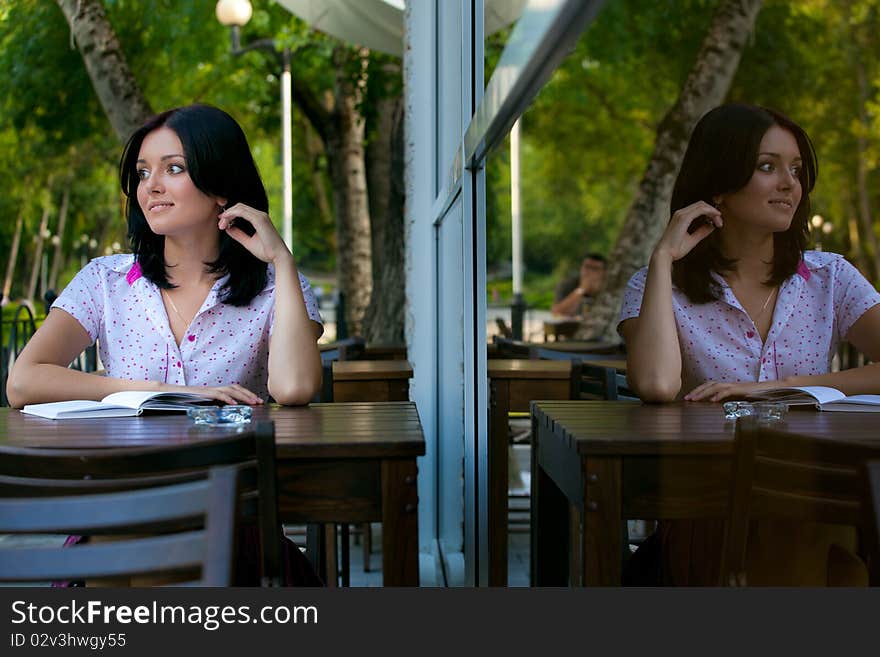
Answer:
(656, 391)
(16, 392)
(294, 394)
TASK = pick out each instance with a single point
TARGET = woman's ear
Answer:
(221, 202)
(717, 200)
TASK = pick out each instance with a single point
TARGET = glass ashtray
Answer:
(764, 412)
(770, 411)
(220, 415)
(735, 409)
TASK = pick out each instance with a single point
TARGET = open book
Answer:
(822, 397)
(119, 404)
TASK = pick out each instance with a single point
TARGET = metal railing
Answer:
(19, 330)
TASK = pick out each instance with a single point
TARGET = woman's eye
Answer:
(796, 172)
(765, 166)
(175, 168)
(143, 174)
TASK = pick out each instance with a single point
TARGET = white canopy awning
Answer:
(378, 24)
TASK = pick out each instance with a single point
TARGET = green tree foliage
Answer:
(588, 134)
(590, 131)
(54, 132)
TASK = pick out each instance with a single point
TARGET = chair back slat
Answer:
(206, 550)
(870, 475)
(48, 472)
(782, 475)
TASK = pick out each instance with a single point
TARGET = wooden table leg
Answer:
(602, 528)
(331, 558)
(400, 523)
(549, 521)
(499, 405)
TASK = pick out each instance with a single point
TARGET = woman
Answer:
(731, 304)
(210, 301)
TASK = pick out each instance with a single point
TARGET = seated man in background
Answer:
(573, 294)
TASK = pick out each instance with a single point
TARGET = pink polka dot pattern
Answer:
(814, 311)
(125, 314)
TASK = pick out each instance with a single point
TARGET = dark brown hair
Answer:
(720, 159)
(220, 163)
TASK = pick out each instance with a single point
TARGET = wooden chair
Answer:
(589, 381)
(871, 492)
(28, 472)
(781, 475)
(196, 518)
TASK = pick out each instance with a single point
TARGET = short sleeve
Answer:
(311, 302)
(632, 297)
(854, 295)
(83, 298)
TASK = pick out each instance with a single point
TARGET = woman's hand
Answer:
(676, 242)
(232, 394)
(716, 391)
(265, 244)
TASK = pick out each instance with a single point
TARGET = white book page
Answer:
(820, 394)
(78, 408)
(869, 400)
(129, 398)
(54, 409)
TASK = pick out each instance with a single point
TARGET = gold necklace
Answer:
(764, 307)
(174, 308)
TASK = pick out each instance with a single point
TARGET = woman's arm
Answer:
(294, 359)
(653, 362)
(864, 336)
(41, 372)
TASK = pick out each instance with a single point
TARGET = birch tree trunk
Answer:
(13, 256)
(58, 255)
(38, 254)
(384, 321)
(121, 97)
(345, 150)
(705, 87)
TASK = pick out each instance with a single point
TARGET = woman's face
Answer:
(167, 196)
(770, 198)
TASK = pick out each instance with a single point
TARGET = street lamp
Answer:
(234, 14)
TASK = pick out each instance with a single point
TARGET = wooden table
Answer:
(597, 463)
(513, 384)
(337, 462)
(371, 380)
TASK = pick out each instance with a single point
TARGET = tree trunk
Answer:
(345, 150)
(13, 256)
(38, 254)
(864, 194)
(118, 91)
(706, 86)
(58, 256)
(384, 322)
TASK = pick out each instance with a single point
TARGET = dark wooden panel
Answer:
(327, 491)
(684, 487)
(601, 518)
(371, 370)
(523, 392)
(400, 523)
